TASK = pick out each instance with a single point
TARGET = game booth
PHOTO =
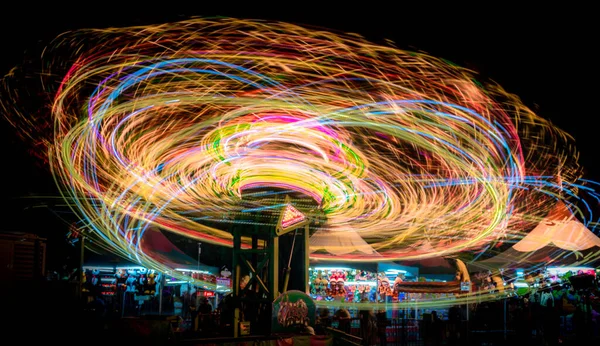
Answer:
(133, 290)
(407, 292)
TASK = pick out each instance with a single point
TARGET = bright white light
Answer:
(176, 282)
(131, 268)
(395, 271)
(192, 270)
(369, 283)
(520, 272)
(105, 269)
(330, 268)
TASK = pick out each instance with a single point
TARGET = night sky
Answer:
(543, 55)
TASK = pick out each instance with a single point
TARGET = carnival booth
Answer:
(180, 295)
(343, 283)
(558, 245)
(124, 288)
(552, 264)
(353, 283)
(134, 290)
(385, 282)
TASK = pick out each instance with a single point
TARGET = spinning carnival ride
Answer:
(193, 126)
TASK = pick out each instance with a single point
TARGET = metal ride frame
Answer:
(262, 263)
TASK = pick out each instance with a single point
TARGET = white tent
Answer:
(561, 229)
(558, 240)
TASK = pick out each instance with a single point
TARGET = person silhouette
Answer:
(436, 328)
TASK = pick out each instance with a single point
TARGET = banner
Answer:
(291, 310)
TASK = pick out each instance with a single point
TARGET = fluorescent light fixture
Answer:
(220, 288)
(370, 283)
(176, 282)
(521, 284)
(330, 268)
(99, 268)
(131, 268)
(192, 270)
(395, 271)
(520, 272)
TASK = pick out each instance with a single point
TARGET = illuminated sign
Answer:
(290, 218)
(224, 282)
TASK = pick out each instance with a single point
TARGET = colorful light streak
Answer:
(173, 125)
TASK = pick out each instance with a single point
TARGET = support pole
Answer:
(306, 258)
(274, 266)
(255, 254)
(160, 295)
(289, 265)
(81, 254)
(123, 304)
(237, 241)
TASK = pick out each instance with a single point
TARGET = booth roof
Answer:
(434, 266)
(368, 266)
(549, 255)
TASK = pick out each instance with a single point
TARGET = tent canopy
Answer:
(367, 266)
(548, 255)
(559, 239)
(561, 229)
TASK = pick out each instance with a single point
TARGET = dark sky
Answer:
(544, 55)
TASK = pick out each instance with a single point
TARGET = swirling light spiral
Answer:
(170, 125)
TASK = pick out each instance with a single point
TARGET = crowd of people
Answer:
(550, 314)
